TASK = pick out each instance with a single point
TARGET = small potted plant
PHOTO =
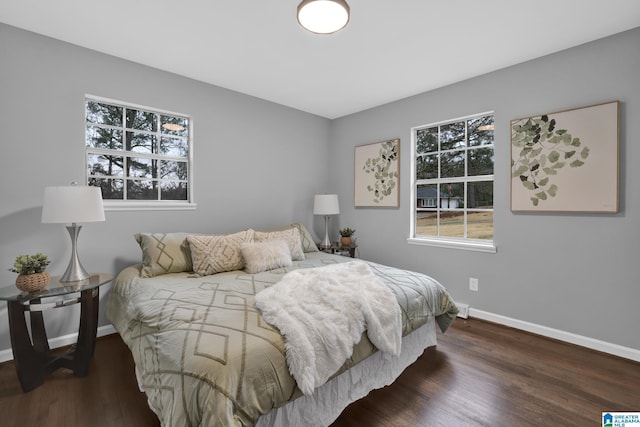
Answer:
(346, 233)
(31, 274)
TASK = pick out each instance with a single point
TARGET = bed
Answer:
(203, 352)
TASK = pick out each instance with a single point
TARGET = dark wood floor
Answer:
(480, 374)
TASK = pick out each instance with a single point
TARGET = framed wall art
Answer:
(566, 161)
(377, 174)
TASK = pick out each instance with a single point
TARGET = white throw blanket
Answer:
(322, 313)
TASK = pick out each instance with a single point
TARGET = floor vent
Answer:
(463, 310)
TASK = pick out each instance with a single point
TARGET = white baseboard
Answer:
(603, 346)
(6, 355)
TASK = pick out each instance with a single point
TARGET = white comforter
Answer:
(322, 313)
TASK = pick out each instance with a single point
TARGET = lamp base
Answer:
(75, 271)
(326, 243)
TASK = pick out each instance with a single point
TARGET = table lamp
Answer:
(326, 204)
(73, 204)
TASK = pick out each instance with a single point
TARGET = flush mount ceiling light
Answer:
(173, 127)
(323, 16)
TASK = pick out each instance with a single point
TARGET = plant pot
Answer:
(32, 282)
(345, 240)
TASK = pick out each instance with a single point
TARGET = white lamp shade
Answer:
(326, 204)
(71, 204)
(323, 16)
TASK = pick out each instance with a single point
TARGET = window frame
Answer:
(465, 243)
(137, 204)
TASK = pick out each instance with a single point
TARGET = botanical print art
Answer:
(377, 174)
(566, 161)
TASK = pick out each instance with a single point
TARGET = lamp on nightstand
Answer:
(70, 205)
(327, 205)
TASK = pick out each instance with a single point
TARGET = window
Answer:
(452, 183)
(138, 155)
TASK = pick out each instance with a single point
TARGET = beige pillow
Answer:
(164, 253)
(290, 235)
(308, 245)
(306, 239)
(267, 255)
(212, 254)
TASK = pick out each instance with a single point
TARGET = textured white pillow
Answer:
(267, 255)
(290, 235)
(217, 253)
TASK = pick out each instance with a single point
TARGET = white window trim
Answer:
(148, 205)
(444, 242)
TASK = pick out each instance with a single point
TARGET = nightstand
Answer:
(339, 249)
(32, 356)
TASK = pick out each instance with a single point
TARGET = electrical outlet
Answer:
(473, 284)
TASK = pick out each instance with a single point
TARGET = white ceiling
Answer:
(390, 49)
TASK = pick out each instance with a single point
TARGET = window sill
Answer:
(118, 205)
(454, 244)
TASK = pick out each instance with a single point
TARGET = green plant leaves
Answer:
(541, 147)
(385, 180)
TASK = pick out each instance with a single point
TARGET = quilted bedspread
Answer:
(206, 357)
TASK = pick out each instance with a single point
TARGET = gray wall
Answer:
(256, 163)
(577, 273)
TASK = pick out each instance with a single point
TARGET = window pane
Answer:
(108, 139)
(170, 169)
(174, 125)
(427, 223)
(103, 113)
(140, 167)
(452, 224)
(481, 131)
(137, 153)
(112, 189)
(142, 190)
(427, 196)
(452, 136)
(427, 166)
(142, 120)
(480, 161)
(480, 225)
(175, 147)
(141, 143)
(452, 164)
(452, 196)
(480, 194)
(173, 191)
(427, 140)
(99, 164)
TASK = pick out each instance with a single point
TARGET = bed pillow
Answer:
(267, 255)
(290, 235)
(306, 239)
(164, 253)
(212, 254)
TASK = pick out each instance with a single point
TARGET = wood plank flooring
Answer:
(480, 374)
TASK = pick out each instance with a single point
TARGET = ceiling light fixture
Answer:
(323, 16)
(173, 127)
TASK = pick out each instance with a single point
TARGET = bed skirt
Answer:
(328, 401)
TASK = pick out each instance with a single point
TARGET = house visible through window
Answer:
(137, 153)
(452, 184)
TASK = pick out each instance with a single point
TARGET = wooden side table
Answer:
(339, 249)
(32, 356)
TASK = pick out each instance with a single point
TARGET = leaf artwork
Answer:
(385, 180)
(544, 150)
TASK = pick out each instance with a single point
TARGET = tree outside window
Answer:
(137, 153)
